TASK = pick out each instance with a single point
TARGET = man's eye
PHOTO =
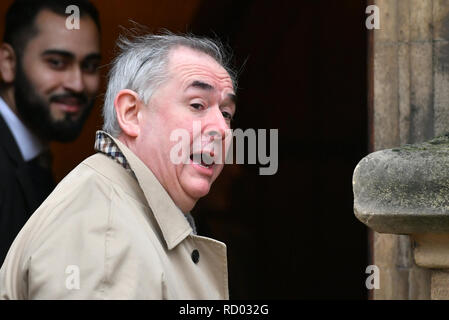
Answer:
(197, 106)
(227, 115)
(90, 67)
(56, 64)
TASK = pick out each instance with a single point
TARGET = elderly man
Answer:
(118, 226)
(49, 81)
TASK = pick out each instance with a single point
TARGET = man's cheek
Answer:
(218, 169)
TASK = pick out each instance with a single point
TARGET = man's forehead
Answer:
(205, 86)
(187, 62)
(52, 32)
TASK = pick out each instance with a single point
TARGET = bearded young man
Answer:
(49, 80)
(118, 226)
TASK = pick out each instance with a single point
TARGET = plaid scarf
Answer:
(107, 146)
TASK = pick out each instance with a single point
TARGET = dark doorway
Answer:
(293, 234)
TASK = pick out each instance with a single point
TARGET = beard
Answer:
(35, 111)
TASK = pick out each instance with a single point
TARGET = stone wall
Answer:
(410, 86)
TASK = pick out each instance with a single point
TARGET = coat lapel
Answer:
(171, 220)
(8, 143)
(9, 146)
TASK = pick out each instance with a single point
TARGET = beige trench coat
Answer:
(102, 234)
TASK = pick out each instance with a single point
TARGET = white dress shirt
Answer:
(29, 144)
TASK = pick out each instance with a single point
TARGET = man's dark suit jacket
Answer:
(23, 187)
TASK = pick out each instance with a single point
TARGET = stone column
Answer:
(409, 84)
(405, 191)
(432, 251)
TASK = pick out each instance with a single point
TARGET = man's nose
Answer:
(73, 80)
(216, 127)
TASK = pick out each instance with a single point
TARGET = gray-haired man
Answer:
(118, 225)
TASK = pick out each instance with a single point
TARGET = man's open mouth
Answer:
(203, 159)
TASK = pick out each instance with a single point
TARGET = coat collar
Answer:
(9, 146)
(171, 220)
(9, 143)
(28, 143)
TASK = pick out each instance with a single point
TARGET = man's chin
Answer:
(198, 189)
(66, 127)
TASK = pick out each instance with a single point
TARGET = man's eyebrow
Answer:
(70, 55)
(201, 85)
(93, 56)
(66, 54)
(208, 87)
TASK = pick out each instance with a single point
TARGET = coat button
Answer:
(195, 256)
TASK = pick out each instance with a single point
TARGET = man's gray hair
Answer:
(141, 66)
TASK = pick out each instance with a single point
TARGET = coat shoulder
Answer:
(83, 226)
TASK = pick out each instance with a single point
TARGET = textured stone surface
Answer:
(441, 85)
(440, 285)
(404, 190)
(421, 16)
(419, 283)
(440, 20)
(431, 250)
(386, 96)
(393, 274)
(421, 92)
(388, 11)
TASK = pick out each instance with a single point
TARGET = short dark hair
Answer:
(20, 18)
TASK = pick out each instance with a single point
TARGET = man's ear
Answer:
(127, 107)
(8, 62)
